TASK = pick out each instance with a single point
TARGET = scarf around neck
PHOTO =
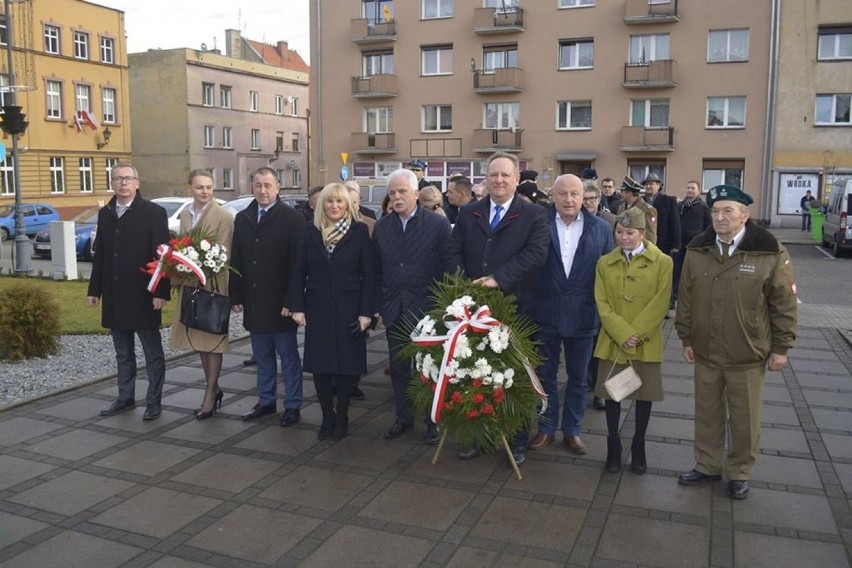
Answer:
(332, 234)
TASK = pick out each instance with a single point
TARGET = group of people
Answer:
(597, 283)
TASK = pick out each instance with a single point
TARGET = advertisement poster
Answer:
(791, 189)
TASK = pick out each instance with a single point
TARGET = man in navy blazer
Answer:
(565, 308)
(509, 255)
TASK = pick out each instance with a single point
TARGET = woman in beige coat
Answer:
(205, 211)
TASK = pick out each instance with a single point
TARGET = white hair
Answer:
(408, 175)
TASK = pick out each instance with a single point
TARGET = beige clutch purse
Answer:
(621, 385)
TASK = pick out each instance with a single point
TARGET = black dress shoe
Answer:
(118, 406)
(290, 417)
(152, 412)
(259, 411)
(249, 362)
(397, 430)
(737, 489)
(433, 434)
(599, 403)
(357, 394)
(469, 454)
(695, 477)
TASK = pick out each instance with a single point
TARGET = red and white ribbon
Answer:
(166, 253)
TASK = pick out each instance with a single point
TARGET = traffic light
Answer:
(14, 121)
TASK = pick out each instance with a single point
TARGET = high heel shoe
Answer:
(219, 396)
(217, 404)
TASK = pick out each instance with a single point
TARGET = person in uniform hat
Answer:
(668, 221)
(588, 174)
(419, 169)
(633, 284)
(736, 317)
(631, 196)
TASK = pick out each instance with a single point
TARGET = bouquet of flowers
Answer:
(474, 360)
(188, 260)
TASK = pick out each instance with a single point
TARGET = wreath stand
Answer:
(506, 446)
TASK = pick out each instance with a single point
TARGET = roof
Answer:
(279, 56)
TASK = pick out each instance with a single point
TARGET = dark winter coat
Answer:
(122, 248)
(668, 222)
(694, 219)
(332, 291)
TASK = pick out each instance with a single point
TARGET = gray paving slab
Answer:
(19, 429)
(14, 528)
(75, 445)
(147, 458)
(71, 548)
(71, 493)
(770, 551)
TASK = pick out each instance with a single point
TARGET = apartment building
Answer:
(71, 78)
(230, 113)
(672, 87)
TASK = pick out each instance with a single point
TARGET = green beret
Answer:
(728, 193)
(632, 218)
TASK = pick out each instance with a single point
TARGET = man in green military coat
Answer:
(736, 317)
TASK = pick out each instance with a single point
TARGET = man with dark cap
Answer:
(528, 188)
(631, 196)
(668, 220)
(311, 204)
(588, 174)
(736, 317)
(419, 169)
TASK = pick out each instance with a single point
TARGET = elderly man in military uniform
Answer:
(736, 317)
(631, 196)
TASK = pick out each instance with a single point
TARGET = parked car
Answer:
(84, 226)
(173, 207)
(837, 229)
(37, 216)
(236, 205)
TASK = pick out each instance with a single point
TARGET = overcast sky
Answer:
(168, 24)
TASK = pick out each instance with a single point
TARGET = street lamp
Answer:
(107, 135)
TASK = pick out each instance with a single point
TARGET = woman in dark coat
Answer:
(332, 297)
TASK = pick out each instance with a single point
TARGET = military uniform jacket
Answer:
(735, 313)
(650, 217)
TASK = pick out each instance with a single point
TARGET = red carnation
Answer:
(476, 383)
(499, 395)
(457, 397)
(447, 406)
(478, 398)
(487, 409)
(472, 414)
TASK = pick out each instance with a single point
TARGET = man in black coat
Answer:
(264, 249)
(501, 242)
(668, 220)
(694, 218)
(129, 231)
(409, 256)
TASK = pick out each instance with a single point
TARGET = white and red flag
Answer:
(90, 119)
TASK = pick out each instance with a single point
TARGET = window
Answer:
(294, 106)
(227, 178)
(57, 175)
(645, 48)
(727, 45)
(279, 141)
(833, 109)
(574, 115)
(502, 5)
(835, 43)
(86, 175)
(279, 104)
(4, 82)
(575, 3)
(82, 98)
(377, 63)
(722, 172)
(207, 90)
(209, 136)
(726, 112)
(651, 113)
(255, 139)
(108, 99)
(294, 142)
(227, 137)
(378, 120)
(502, 116)
(576, 54)
(437, 60)
(437, 9)
(4, 32)
(498, 57)
(225, 96)
(7, 169)
(110, 164)
(296, 178)
(53, 92)
(640, 169)
(254, 101)
(81, 45)
(107, 50)
(437, 118)
(51, 39)
(377, 10)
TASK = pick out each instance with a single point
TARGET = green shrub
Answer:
(29, 322)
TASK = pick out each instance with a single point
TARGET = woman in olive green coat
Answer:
(632, 290)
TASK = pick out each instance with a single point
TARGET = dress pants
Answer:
(739, 391)
(400, 376)
(264, 346)
(678, 259)
(155, 363)
(578, 353)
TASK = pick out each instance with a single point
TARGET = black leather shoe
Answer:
(249, 362)
(357, 393)
(469, 454)
(520, 457)
(397, 430)
(433, 434)
(290, 417)
(695, 477)
(259, 411)
(737, 489)
(152, 412)
(118, 406)
(599, 403)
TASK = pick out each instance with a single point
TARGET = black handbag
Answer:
(205, 310)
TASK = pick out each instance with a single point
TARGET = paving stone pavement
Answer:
(77, 489)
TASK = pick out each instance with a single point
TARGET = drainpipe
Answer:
(316, 119)
(768, 193)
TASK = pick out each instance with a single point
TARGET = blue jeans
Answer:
(155, 363)
(578, 352)
(264, 346)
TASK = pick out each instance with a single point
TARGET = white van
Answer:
(837, 229)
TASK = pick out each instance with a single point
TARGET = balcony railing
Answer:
(374, 86)
(650, 12)
(486, 140)
(372, 143)
(363, 30)
(654, 74)
(647, 138)
(497, 21)
(502, 80)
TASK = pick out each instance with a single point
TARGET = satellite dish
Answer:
(203, 47)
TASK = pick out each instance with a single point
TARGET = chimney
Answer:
(233, 44)
(283, 48)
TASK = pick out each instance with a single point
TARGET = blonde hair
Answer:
(431, 199)
(336, 191)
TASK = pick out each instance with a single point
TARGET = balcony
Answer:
(372, 143)
(487, 141)
(650, 12)
(647, 139)
(363, 31)
(651, 75)
(487, 21)
(502, 80)
(374, 87)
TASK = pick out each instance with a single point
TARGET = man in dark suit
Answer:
(501, 242)
(265, 245)
(129, 231)
(668, 219)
